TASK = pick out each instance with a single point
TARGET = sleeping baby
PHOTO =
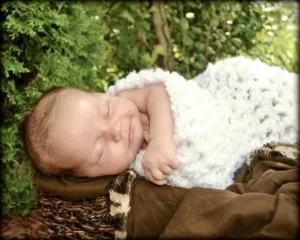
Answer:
(171, 130)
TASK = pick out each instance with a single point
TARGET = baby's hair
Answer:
(34, 132)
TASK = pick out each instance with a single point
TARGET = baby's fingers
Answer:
(174, 164)
(157, 174)
(158, 177)
(166, 169)
(161, 182)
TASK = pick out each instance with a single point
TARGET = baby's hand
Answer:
(160, 160)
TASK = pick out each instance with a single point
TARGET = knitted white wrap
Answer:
(233, 107)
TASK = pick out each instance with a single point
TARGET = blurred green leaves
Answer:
(223, 29)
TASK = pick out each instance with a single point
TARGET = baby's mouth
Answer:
(129, 131)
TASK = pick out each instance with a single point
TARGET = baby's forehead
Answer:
(74, 112)
(75, 92)
(76, 101)
(74, 96)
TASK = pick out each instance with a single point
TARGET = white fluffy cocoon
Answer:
(220, 116)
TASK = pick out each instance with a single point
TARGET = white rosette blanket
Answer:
(233, 107)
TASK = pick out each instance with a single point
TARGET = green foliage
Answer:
(208, 31)
(130, 26)
(89, 45)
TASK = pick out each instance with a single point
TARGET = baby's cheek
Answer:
(119, 156)
(141, 134)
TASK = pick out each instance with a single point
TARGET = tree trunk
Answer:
(163, 35)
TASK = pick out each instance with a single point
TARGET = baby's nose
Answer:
(115, 132)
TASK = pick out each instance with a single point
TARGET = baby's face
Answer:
(95, 133)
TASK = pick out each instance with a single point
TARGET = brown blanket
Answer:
(262, 203)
